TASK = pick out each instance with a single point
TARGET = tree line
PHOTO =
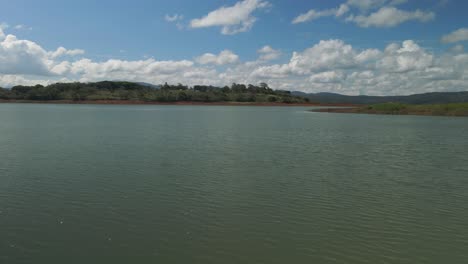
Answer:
(116, 90)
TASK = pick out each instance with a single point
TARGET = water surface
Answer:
(226, 184)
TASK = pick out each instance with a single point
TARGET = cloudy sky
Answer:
(374, 47)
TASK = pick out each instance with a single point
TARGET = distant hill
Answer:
(144, 92)
(149, 85)
(425, 98)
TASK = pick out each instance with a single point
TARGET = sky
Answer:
(354, 47)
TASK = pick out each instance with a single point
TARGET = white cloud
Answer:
(456, 36)
(386, 16)
(22, 57)
(457, 48)
(224, 57)
(334, 66)
(267, 53)
(343, 9)
(176, 18)
(25, 57)
(327, 77)
(3, 26)
(129, 70)
(61, 51)
(397, 2)
(8, 80)
(406, 57)
(390, 17)
(25, 62)
(327, 66)
(314, 14)
(326, 55)
(368, 55)
(149, 70)
(22, 27)
(173, 18)
(233, 19)
(60, 68)
(366, 4)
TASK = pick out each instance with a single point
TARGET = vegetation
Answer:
(129, 91)
(452, 109)
(425, 98)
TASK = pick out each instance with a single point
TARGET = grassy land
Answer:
(453, 109)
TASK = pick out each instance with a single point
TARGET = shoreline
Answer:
(131, 102)
(357, 110)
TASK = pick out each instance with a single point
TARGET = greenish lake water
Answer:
(226, 184)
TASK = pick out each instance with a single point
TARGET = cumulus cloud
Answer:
(326, 55)
(267, 53)
(26, 62)
(343, 9)
(232, 19)
(327, 66)
(368, 55)
(327, 77)
(10, 80)
(365, 5)
(89, 70)
(406, 57)
(401, 68)
(223, 58)
(456, 36)
(272, 71)
(457, 48)
(26, 57)
(386, 16)
(22, 57)
(61, 51)
(314, 14)
(390, 17)
(3, 26)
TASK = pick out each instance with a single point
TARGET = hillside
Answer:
(425, 98)
(129, 91)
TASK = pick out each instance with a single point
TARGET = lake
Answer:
(227, 184)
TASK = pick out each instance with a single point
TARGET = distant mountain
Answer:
(149, 85)
(425, 98)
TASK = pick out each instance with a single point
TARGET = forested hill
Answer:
(112, 90)
(426, 98)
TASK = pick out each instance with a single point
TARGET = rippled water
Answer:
(216, 184)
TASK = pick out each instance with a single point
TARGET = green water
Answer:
(217, 184)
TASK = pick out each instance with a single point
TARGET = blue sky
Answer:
(345, 46)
